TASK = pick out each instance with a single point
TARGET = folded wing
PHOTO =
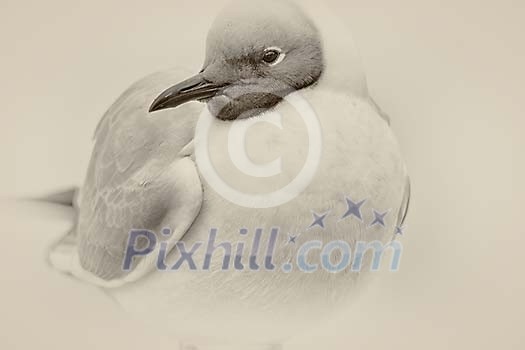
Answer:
(140, 177)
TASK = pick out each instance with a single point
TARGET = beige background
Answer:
(451, 75)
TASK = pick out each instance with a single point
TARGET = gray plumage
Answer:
(144, 174)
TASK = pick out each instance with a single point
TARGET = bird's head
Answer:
(255, 55)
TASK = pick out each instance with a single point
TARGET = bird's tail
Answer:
(62, 253)
(67, 197)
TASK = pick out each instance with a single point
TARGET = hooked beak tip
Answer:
(155, 106)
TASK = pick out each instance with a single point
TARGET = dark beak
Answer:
(194, 88)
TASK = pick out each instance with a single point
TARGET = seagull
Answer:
(266, 65)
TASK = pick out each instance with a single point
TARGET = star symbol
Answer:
(353, 209)
(291, 239)
(399, 230)
(318, 220)
(379, 218)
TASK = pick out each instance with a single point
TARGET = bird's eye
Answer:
(273, 55)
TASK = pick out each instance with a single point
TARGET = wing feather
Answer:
(135, 174)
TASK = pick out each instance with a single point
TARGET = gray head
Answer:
(255, 55)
